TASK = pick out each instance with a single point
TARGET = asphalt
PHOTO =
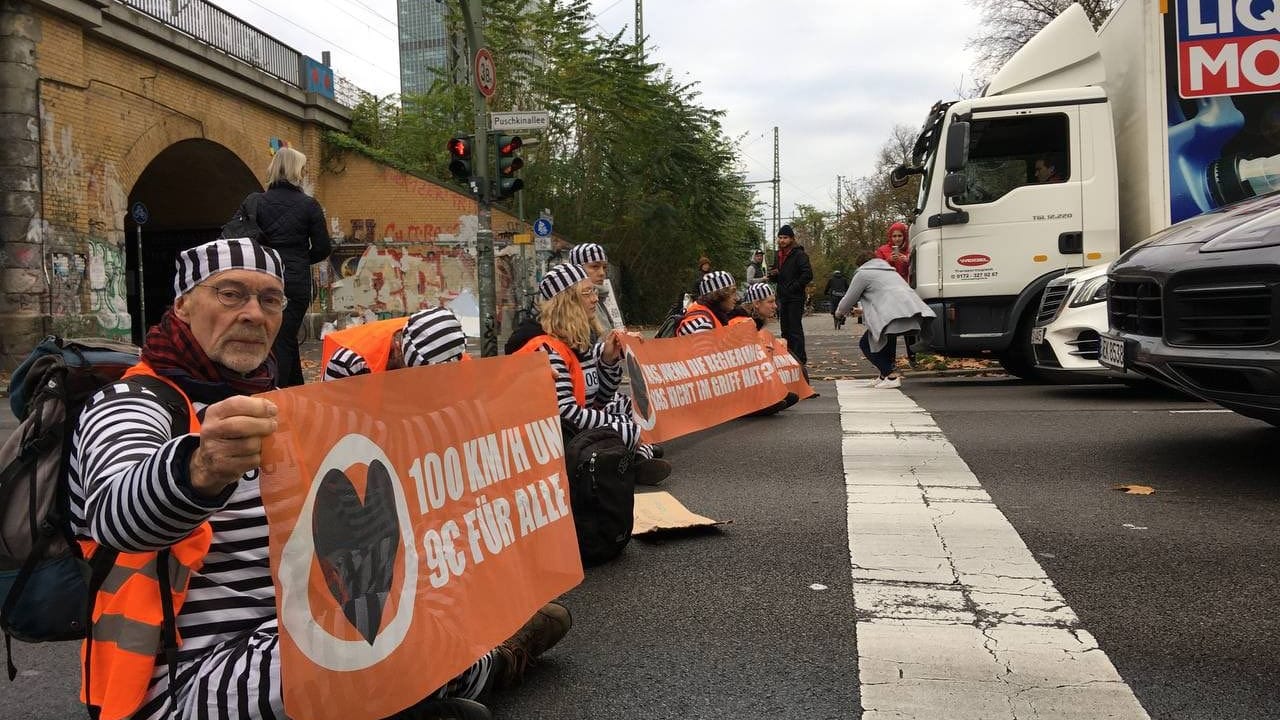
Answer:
(1180, 586)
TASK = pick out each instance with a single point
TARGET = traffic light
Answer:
(460, 158)
(509, 164)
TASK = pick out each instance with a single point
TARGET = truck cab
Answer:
(1018, 187)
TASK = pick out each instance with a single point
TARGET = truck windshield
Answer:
(926, 148)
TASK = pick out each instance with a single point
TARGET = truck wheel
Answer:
(1020, 359)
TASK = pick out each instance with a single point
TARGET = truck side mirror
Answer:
(898, 176)
(954, 184)
(957, 145)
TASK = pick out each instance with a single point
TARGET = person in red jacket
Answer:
(897, 252)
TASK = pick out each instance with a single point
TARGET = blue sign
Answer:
(317, 76)
(139, 213)
(542, 227)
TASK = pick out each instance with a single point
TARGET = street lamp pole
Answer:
(473, 17)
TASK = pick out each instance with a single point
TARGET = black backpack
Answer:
(46, 583)
(602, 491)
(668, 327)
(244, 224)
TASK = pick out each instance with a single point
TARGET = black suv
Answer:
(1198, 307)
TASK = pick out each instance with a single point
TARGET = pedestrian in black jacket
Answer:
(294, 226)
(792, 272)
(837, 286)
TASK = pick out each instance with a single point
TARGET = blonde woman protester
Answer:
(294, 226)
(587, 374)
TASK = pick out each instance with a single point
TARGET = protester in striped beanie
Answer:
(717, 296)
(202, 262)
(433, 336)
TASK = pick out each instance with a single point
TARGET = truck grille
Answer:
(1134, 306)
(1051, 302)
(1236, 311)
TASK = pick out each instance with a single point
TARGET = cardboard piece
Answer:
(659, 511)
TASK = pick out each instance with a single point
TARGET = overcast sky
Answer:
(833, 75)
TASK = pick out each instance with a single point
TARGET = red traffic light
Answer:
(512, 144)
(460, 147)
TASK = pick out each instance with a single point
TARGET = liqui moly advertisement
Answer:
(1228, 47)
(1223, 83)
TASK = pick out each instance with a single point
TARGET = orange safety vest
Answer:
(372, 341)
(128, 614)
(739, 319)
(698, 309)
(570, 359)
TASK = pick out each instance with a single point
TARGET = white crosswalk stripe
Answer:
(956, 619)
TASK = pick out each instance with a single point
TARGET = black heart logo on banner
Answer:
(357, 544)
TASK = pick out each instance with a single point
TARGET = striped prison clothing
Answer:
(604, 408)
(698, 322)
(130, 490)
(345, 363)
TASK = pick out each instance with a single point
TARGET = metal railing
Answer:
(347, 93)
(223, 31)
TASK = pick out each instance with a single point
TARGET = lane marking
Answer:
(1191, 412)
(956, 619)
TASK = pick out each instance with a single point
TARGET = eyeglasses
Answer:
(235, 297)
(589, 291)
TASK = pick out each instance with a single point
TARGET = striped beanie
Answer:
(713, 281)
(757, 292)
(198, 264)
(433, 336)
(560, 278)
(587, 252)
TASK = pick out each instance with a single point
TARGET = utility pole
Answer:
(640, 25)
(473, 17)
(839, 207)
(777, 192)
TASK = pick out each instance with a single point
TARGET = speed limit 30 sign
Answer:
(485, 72)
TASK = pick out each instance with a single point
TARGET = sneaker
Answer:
(512, 658)
(889, 383)
(652, 472)
(448, 709)
(875, 382)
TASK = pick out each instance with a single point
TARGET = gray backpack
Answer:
(46, 583)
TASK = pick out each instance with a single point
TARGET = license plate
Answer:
(1037, 335)
(1111, 353)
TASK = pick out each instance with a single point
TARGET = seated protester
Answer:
(149, 494)
(761, 305)
(427, 337)
(717, 298)
(587, 374)
(593, 259)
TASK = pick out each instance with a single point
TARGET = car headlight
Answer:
(1090, 292)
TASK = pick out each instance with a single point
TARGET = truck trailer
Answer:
(1082, 145)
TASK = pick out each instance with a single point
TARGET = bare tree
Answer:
(1007, 25)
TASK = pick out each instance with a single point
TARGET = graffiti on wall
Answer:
(66, 283)
(435, 194)
(108, 292)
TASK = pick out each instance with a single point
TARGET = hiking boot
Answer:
(541, 633)
(450, 709)
(652, 472)
(789, 400)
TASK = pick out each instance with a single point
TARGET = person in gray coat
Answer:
(889, 307)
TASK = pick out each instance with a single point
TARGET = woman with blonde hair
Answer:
(587, 374)
(292, 223)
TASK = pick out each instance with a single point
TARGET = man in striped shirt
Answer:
(138, 487)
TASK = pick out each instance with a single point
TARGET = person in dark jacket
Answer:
(294, 226)
(836, 285)
(792, 272)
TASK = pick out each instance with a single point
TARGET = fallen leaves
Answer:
(1135, 489)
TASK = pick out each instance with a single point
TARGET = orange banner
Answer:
(684, 384)
(787, 366)
(418, 518)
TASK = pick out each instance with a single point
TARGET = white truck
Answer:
(1083, 144)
